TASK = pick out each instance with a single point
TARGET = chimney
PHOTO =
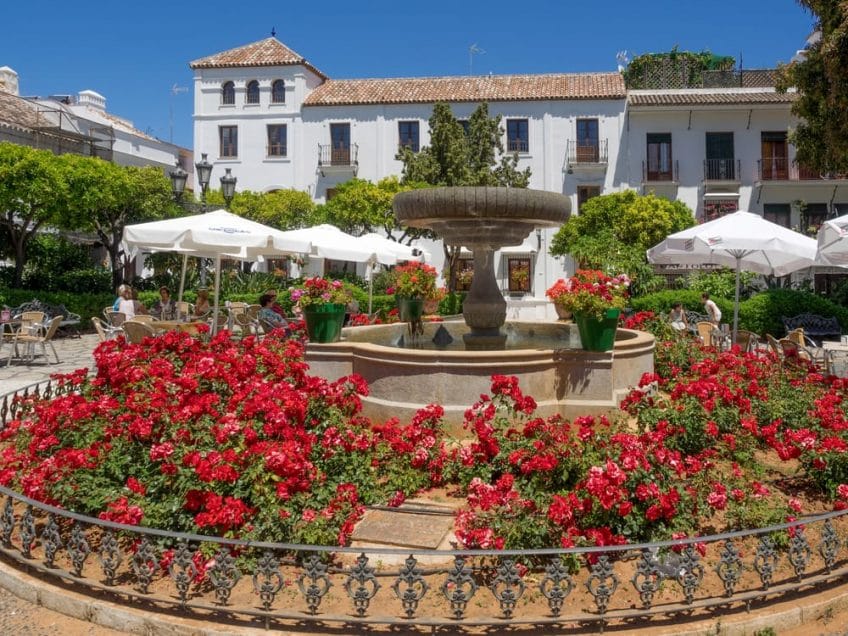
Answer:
(8, 80)
(92, 99)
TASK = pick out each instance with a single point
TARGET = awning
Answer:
(721, 195)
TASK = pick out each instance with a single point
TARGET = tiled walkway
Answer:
(74, 353)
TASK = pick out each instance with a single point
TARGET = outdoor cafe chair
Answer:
(137, 331)
(114, 318)
(705, 332)
(184, 310)
(144, 318)
(104, 330)
(30, 339)
(791, 349)
(748, 341)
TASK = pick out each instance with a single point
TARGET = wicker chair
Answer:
(104, 330)
(705, 332)
(748, 341)
(114, 318)
(32, 339)
(792, 349)
(137, 331)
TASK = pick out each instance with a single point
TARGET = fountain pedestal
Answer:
(484, 308)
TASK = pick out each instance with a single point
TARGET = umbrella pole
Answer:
(217, 289)
(370, 286)
(736, 300)
(182, 278)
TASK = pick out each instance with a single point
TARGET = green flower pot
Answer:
(598, 335)
(410, 309)
(324, 322)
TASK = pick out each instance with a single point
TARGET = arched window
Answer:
(228, 93)
(278, 92)
(253, 92)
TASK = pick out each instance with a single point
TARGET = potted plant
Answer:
(413, 283)
(323, 304)
(596, 300)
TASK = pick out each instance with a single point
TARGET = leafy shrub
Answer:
(722, 283)
(661, 302)
(85, 281)
(86, 305)
(763, 312)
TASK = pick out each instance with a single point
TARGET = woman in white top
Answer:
(126, 304)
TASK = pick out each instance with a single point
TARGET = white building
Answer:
(276, 121)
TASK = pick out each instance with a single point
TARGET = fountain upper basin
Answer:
(550, 366)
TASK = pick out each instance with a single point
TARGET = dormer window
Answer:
(278, 92)
(253, 92)
(228, 93)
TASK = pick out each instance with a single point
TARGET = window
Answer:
(777, 213)
(408, 135)
(228, 93)
(278, 92)
(517, 135)
(340, 144)
(588, 141)
(659, 158)
(277, 142)
(252, 92)
(228, 141)
(464, 274)
(465, 125)
(812, 217)
(720, 164)
(715, 208)
(774, 163)
(518, 274)
(584, 193)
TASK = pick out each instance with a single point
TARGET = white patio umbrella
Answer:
(213, 235)
(740, 240)
(832, 243)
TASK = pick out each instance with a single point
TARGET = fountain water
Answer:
(546, 357)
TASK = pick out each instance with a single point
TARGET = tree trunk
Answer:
(451, 261)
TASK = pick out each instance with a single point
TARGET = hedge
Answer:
(762, 313)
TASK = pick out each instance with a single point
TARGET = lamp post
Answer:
(204, 174)
(228, 187)
(178, 181)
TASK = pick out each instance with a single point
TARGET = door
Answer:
(340, 142)
(774, 152)
(588, 142)
(720, 164)
(659, 157)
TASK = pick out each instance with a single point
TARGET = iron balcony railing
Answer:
(277, 150)
(517, 145)
(330, 156)
(722, 170)
(783, 169)
(282, 585)
(659, 172)
(586, 153)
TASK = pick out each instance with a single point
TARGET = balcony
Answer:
(656, 173)
(517, 145)
(586, 156)
(781, 169)
(338, 161)
(722, 171)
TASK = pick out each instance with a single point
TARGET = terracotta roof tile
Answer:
(416, 90)
(706, 98)
(267, 52)
(20, 113)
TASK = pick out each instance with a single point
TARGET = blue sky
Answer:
(133, 53)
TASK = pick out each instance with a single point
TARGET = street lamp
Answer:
(178, 181)
(204, 174)
(228, 187)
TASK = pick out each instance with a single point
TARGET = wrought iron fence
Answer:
(278, 583)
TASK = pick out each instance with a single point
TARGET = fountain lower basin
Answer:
(546, 358)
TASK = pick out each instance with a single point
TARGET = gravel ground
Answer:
(20, 618)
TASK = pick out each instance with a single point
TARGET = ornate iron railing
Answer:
(276, 584)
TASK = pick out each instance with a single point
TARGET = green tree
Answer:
(360, 206)
(33, 193)
(821, 137)
(108, 197)
(613, 232)
(286, 209)
(455, 158)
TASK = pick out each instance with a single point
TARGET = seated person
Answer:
(164, 308)
(678, 317)
(351, 310)
(201, 305)
(121, 289)
(125, 303)
(267, 313)
(275, 306)
(138, 306)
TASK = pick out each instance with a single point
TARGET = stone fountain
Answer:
(451, 363)
(483, 219)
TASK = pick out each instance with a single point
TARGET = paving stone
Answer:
(405, 529)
